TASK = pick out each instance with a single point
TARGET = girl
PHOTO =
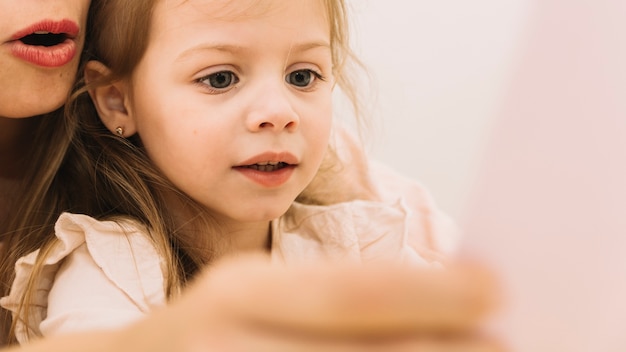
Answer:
(214, 116)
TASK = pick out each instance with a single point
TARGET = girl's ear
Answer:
(110, 100)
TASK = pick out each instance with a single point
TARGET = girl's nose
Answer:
(274, 111)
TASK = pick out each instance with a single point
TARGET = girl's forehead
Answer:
(251, 24)
(234, 18)
(228, 10)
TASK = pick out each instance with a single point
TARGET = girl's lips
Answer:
(269, 169)
(284, 157)
(268, 179)
(46, 43)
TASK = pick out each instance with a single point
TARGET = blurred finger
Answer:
(343, 300)
(241, 341)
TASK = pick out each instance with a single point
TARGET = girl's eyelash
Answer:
(304, 79)
(204, 81)
(316, 74)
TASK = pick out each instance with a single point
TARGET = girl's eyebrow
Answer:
(309, 46)
(225, 48)
(238, 49)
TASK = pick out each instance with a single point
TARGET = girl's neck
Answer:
(250, 237)
(220, 241)
(214, 237)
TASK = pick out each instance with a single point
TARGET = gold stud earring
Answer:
(120, 131)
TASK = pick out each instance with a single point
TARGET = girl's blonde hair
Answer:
(115, 176)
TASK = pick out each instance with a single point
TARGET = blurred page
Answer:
(549, 207)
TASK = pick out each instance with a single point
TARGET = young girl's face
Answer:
(40, 44)
(232, 101)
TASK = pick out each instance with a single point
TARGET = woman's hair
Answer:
(43, 195)
(114, 175)
(41, 201)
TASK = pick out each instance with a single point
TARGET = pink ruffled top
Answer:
(105, 274)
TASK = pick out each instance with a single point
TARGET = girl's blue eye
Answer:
(302, 78)
(220, 80)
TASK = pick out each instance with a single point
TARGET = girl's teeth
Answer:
(265, 167)
(268, 166)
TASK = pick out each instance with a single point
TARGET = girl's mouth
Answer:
(269, 169)
(268, 166)
(267, 175)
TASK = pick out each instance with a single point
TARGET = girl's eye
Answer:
(303, 78)
(220, 80)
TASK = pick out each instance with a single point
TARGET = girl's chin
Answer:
(263, 214)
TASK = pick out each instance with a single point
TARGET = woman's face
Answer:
(40, 45)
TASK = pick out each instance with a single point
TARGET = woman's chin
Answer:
(20, 109)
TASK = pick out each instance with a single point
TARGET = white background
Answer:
(549, 212)
(438, 68)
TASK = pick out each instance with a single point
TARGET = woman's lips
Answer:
(46, 43)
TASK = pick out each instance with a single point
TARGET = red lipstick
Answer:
(269, 169)
(47, 43)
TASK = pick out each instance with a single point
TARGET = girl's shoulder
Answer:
(430, 227)
(89, 254)
(402, 225)
(429, 230)
(112, 243)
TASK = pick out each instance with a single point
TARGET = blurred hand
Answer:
(247, 304)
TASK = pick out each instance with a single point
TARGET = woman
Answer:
(40, 52)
